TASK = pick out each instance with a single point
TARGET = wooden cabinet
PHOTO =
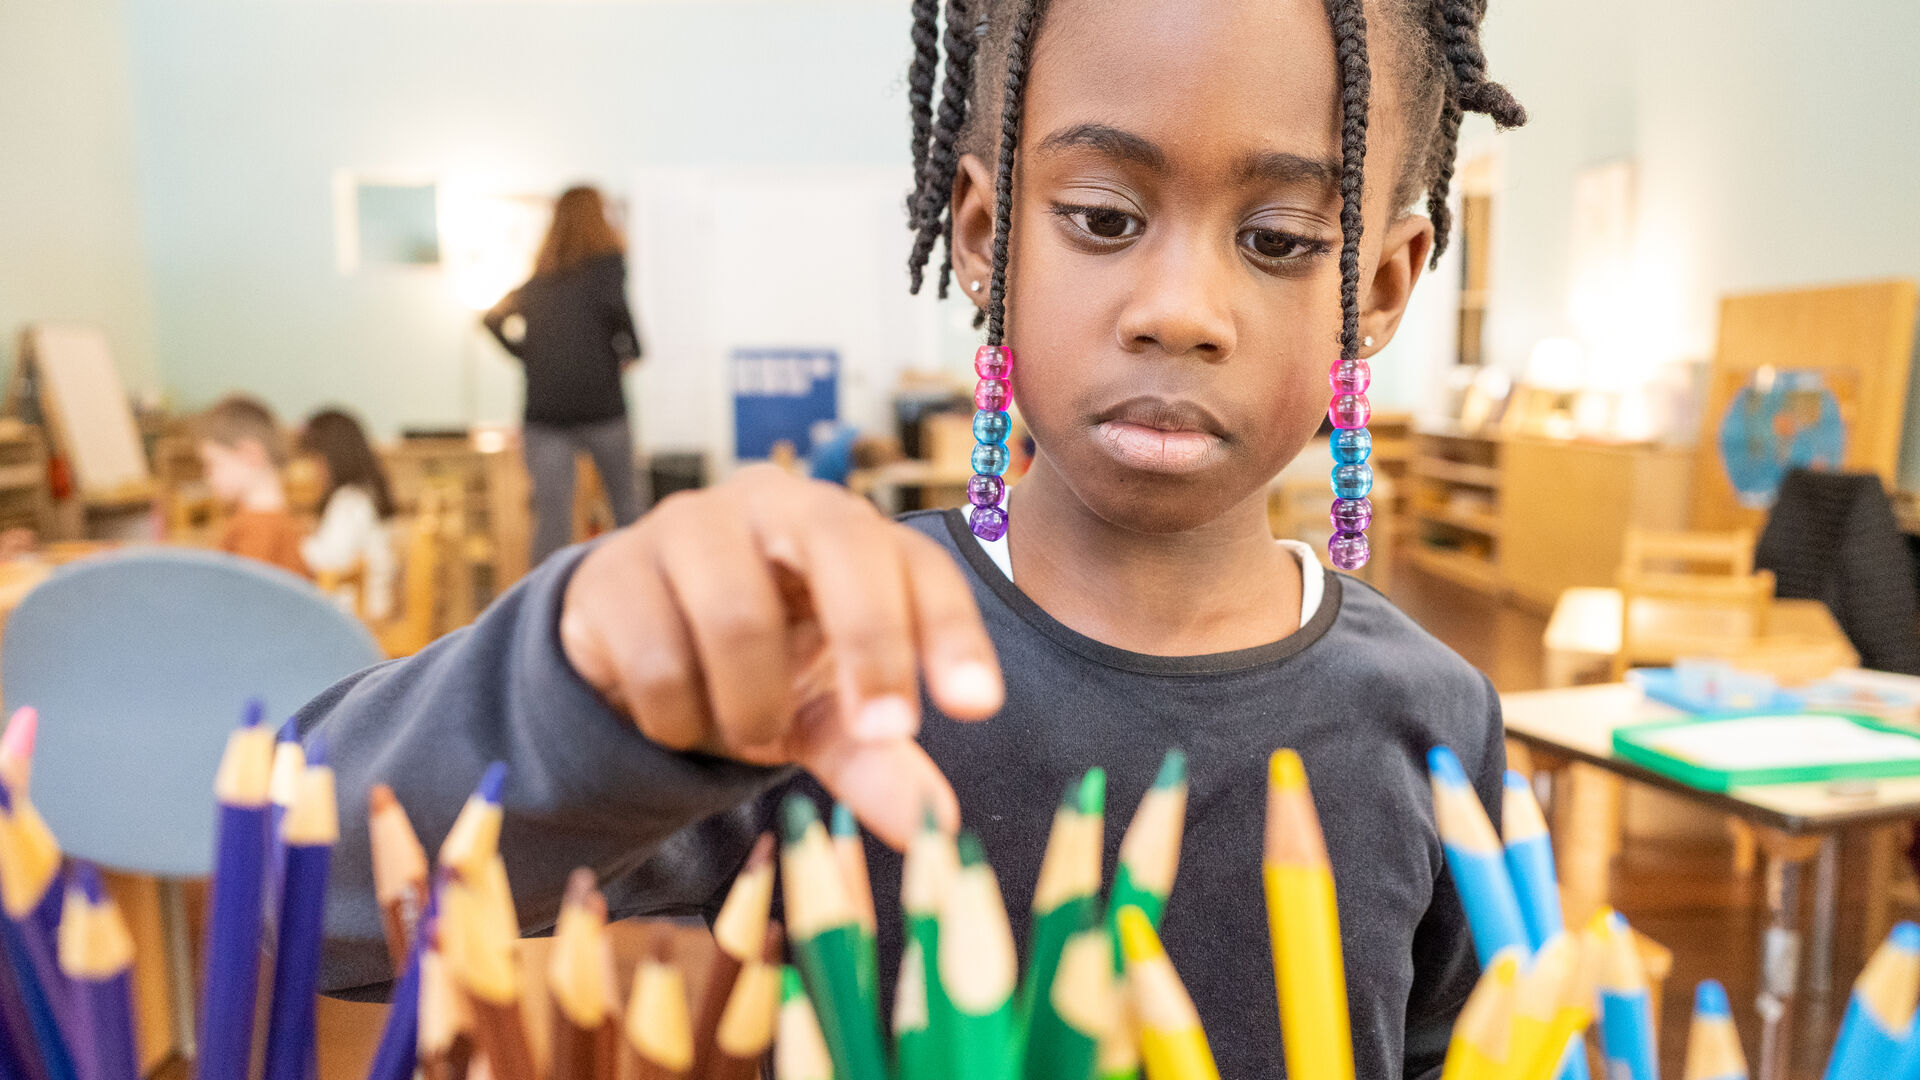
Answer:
(1566, 506)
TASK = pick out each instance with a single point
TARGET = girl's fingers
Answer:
(859, 584)
(725, 592)
(963, 673)
(888, 784)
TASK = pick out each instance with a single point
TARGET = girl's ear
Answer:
(973, 228)
(1402, 256)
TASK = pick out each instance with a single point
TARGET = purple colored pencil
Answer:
(29, 879)
(312, 825)
(96, 954)
(16, 1029)
(398, 1053)
(234, 919)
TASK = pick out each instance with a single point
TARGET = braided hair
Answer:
(1440, 56)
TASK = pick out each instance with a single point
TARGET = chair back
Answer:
(1689, 594)
(412, 628)
(140, 663)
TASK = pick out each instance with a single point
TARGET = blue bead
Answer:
(1351, 446)
(1349, 481)
(991, 427)
(990, 458)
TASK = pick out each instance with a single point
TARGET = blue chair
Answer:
(140, 663)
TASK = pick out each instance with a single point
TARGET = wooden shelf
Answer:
(1471, 571)
(1474, 521)
(1457, 472)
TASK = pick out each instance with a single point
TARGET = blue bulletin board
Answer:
(780, 393)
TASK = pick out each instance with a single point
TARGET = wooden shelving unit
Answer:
(1453, 503)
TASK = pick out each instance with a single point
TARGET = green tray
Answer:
(1635, 744)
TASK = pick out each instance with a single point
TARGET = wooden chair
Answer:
(1689, 594)
(412, 628)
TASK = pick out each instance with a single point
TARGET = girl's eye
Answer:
(1275, 246)
(1101, 222)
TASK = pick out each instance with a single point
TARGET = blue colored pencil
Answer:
(1477, 859)
(1535, 883)
(1879, 1022)
(30, 896)
(1626, 1011)
(16, 1028)
(289, 764)
(96, 953)
(235, 908)
(398, 1053)
(1713, 1046)
(311, 827)
(474, 838)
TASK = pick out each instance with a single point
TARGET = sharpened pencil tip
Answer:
(797, 815)
(316, 752)
(254, 713)
(843, 823)
(380, 799)
(971, 853)
(1710, 999)
(86, 878)
(1517, 782)
(1905, 937)
(289, 731)
(1173, 769)
(1445, 767)
(493, 783)
(1092, 795)
(1286, 772)
(1137, 940)
(6, 798)
(762, 853)
(790, 988)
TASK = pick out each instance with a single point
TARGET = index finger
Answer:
(963, 672)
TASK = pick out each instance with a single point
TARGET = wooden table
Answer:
(1585, 630)
(1797, 824)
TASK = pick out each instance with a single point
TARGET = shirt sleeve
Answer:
(345, 524)
(495, 321)
(626, 340)
(584, 787)
(1445, 967)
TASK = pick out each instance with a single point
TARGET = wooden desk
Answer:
(1585, 630)
(1797, 824)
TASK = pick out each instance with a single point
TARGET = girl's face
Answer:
(1174, 284)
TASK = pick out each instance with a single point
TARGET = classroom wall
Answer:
(70, 230)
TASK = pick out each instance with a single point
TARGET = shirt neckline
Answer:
(1236, 660)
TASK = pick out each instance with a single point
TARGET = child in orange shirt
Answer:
(242, 451)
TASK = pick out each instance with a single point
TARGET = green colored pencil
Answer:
(926, 873)
(1079, 1009)
(824, 928)
(1150, 852)
(977, 971)
(851, 853)
(1063, 906)
(799, 1050)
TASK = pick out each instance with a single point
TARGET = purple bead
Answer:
(1351, 376)
(993, 362)
(1351, 515)
(993, 395)
(1346, 411)
(990, 522)
(1348, 550)
(985, 490)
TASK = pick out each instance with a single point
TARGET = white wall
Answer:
(69, 217)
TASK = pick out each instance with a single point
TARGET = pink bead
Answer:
(993, 395)
(1351, 376)
(1348, 411)
(1349, 550)
(993, 362)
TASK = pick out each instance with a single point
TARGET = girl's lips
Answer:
(1154, 450)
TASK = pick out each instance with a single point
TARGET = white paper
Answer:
(1774, 742)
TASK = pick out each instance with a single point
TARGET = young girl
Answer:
(354, 513)
(1176, 216)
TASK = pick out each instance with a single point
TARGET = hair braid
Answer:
(1462, 44)
(1356, 91)
(920, 76)
(1019, 52)
(934, 181)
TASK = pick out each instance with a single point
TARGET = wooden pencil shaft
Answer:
(501, 1035)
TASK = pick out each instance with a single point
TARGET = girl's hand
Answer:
(775, 620)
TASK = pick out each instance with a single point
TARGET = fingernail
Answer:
(883, 718)
(973, 685)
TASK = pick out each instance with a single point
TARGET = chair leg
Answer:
(1746, 847)
(173, 917)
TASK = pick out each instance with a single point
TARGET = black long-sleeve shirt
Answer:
(1359, 690)
(578, 336)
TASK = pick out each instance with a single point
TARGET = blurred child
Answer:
(241, 449)
(356, 507)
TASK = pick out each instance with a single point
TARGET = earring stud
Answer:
(975, 287)
(1367, 342)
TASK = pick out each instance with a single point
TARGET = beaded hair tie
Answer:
(1352, 444)
(987, 491)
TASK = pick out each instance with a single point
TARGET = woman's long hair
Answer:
(580, 231)
(336, 438)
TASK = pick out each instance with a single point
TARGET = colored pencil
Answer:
(19, 1057)
(1541, 989)
(1304, 924)
(1117, 1057)
(289, 766)
(1172, 1044)
(1064, 905)
(825, 928)
(1478, 1048)
(1082, 1006)
(1529, 854)
(16, 747)
(799, 1047)
(850, 850)
(29, 917)
(747, 1025)
(1574, 1011)
(485, 969)
(659, 1032)
(1150, 849)
(581, 1035)
(1713, 1046)
(474, 837)
(397, 1055)
(1879, 1018)
(236, 907)
(445, 1023)
(1477, 859)
(739, 935)
(96, 954)
(1626, 1019)
(978, 967)
(308, 833)
(399, 872)
(926, 872)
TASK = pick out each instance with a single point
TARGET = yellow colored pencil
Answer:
(1308, 969)
(1478, 1049)
(1172, 1044)
(1540, 994)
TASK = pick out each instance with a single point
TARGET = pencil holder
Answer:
(991, 425)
